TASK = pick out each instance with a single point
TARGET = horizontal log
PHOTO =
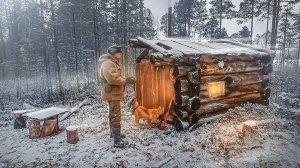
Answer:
(181, 71)
(222, 104)
(184, 101)
(219, 68)
(193, 104)
(212, 59)
(232, 79)
(193, 119)
(230, 97)
(134, 43)
(179, 124)
(181, 100)
(181, 86)
(181, 113)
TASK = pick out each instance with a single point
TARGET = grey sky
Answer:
(160, 7)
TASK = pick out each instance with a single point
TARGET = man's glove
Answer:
(130, 80)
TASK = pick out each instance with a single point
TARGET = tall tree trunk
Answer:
(298, 55)
(268, 18)
(124, 21)
(221, 11)
(95, 41)
(2, 54)
(45, 53)
(284, 38)
(57, 62)
(141, 17)
(75, 51)
(273, 31)
(252, 17)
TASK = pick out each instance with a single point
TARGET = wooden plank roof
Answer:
(182, 47)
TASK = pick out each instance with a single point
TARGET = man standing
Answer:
(113, 89)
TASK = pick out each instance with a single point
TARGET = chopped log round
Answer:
(266, 92)
(72, 134)
(193, 90)
(19, 121)
(265, 82)
(179, 124)
(34, 127)
(270, 67)
(180, 71)
(181, 100)
(193, 119)
(228, 80)
(180, 113)
(181, 86)
(266, 59)
(194, 103)
(194, 77)
(50, 127)
(264, 102)
(267, 69)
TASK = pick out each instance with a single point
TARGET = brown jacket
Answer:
(110, 75)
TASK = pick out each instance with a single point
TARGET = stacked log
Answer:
(187, 101)
(38, 129)
(19, 120)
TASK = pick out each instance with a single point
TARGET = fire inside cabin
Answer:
(191, 80)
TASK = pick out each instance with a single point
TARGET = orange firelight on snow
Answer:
(216, 89)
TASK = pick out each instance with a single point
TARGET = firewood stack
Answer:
(187, 101)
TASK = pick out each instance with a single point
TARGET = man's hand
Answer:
(130, 80)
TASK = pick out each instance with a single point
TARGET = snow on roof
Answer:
(183, 47)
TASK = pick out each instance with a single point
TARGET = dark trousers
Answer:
(114, 108)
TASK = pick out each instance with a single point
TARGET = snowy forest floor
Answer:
(274, 143)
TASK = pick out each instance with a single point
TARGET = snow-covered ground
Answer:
(275, 141)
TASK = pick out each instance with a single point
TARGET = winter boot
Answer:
(118, 142)
(111, 134)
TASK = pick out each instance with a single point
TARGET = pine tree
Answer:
(286, 33)
(188, 18)
(245, 35)
(224, 33)
(211, 28)
(248, 10)
(296, 28)
(223, 9)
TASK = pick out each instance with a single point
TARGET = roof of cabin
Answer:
(183, 47)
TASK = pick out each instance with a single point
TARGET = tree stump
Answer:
(50, 127)
(38, 129)
(72, 134)
(19, 120)
(248, 128)
(34, 127)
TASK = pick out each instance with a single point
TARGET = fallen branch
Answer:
(204, 121)
(161, 163)
(74, 109)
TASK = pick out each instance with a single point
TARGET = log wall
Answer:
(183, 90)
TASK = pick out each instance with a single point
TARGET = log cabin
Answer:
(192, 80)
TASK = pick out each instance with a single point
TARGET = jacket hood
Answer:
(106, 57)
